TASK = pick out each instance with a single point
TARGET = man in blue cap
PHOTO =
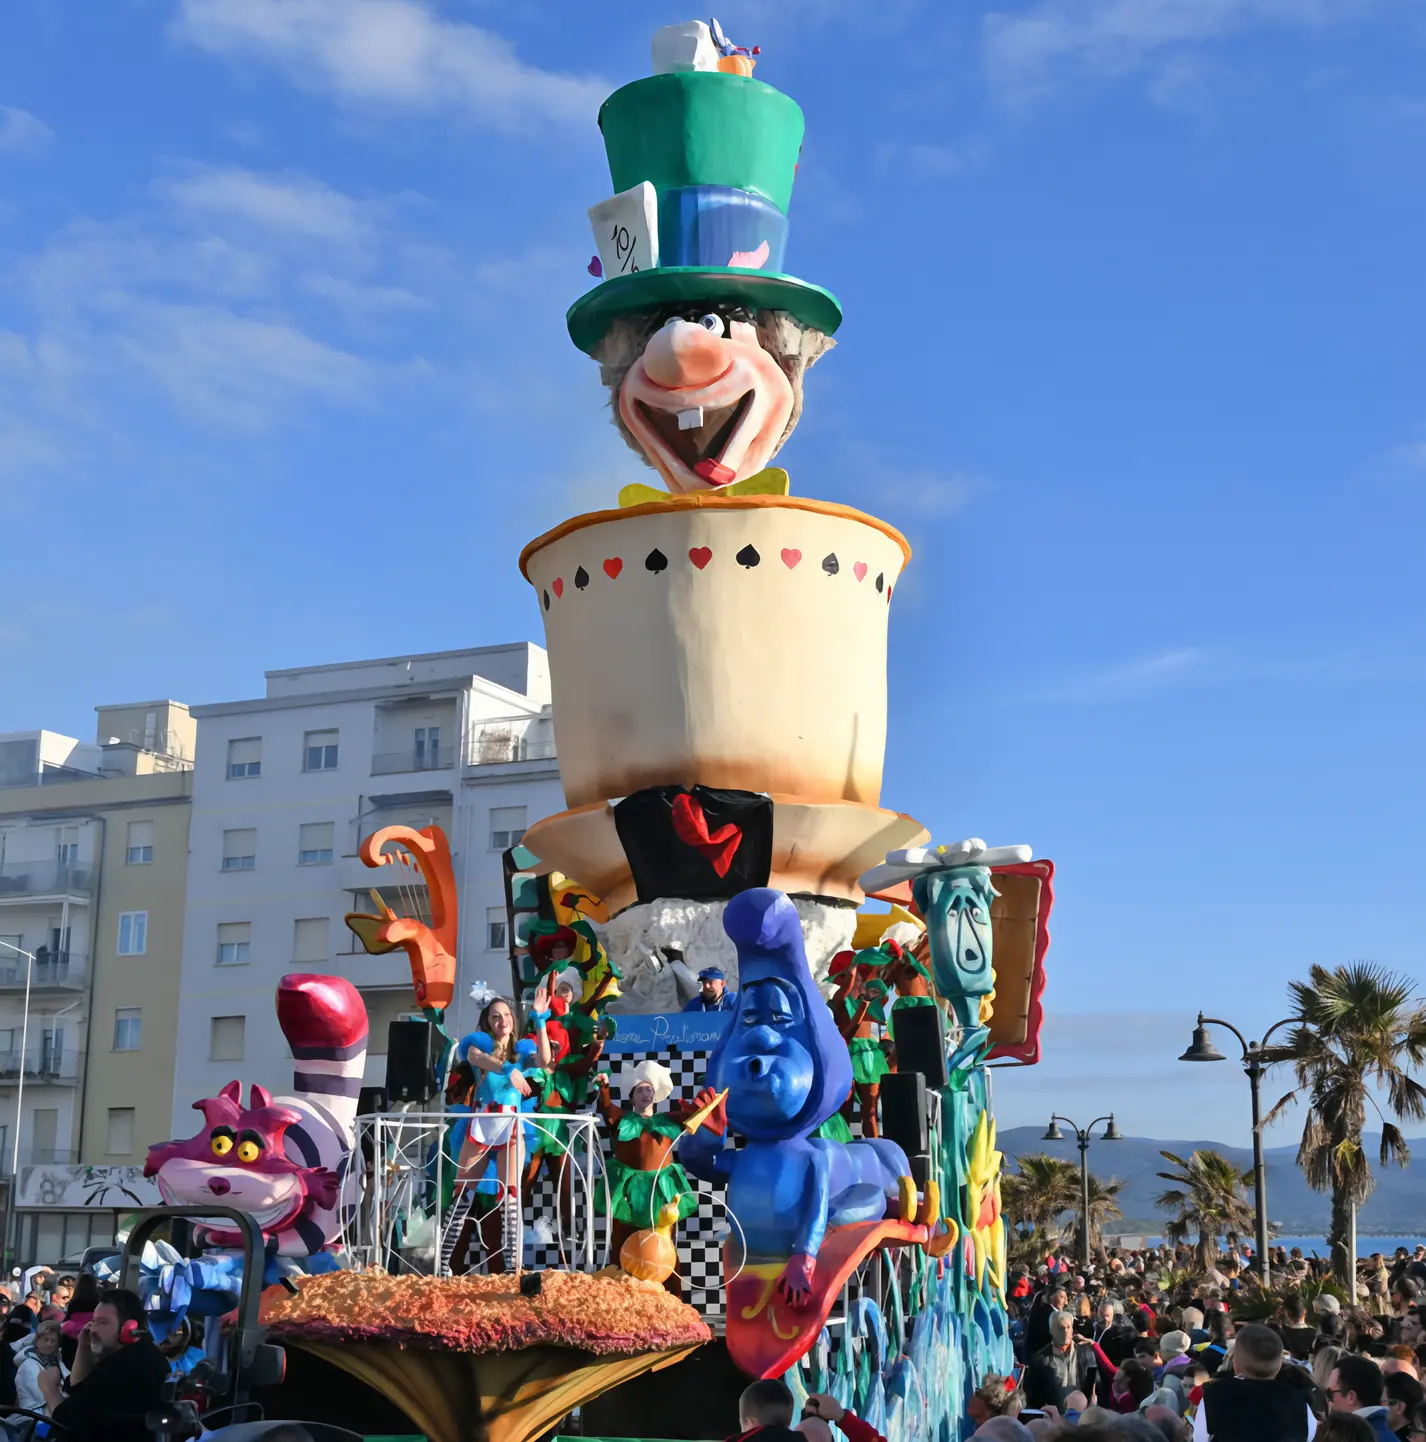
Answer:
(714, 995)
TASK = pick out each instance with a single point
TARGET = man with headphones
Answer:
(117, 1377)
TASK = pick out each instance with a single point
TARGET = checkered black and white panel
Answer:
(699, 1237)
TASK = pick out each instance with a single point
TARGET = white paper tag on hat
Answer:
(626, 230)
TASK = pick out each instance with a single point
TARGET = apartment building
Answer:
(285, 788)
(93, 856)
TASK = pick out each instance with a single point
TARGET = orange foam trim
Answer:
(713, 501)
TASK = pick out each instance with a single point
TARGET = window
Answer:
(45, 1134)
(225, 1038)
(428, 748)
(120, 1137)
(310, 939)
(314, 843)
(240, 850)
(244, 758)
(139, 850)
(507, 826)
(7, 1039)
(128, 1024)
(319, 751)
(234, 938)
(495, 928)
(67, 847)
(12, 952)
(133, 933)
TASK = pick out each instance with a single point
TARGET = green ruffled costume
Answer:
(636, 1197)
(869, 1063)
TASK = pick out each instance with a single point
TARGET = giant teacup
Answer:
(730, 641)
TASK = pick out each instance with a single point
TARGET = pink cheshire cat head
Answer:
(238, 1160)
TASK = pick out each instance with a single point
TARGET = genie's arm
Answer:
(704, 1154)
(811, 1216)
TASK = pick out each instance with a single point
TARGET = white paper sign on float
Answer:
(626, 230)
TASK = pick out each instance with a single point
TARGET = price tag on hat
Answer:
(626, 230)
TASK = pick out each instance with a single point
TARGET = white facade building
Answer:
(285, 787)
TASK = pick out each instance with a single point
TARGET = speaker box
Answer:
(412, 1051)
(920, 1042)
(903, 1111)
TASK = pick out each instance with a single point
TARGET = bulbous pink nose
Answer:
(684, 353)
(219, 1186)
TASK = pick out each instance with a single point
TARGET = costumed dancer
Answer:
(643, 1177)
(858, 1005)
(508, 1072)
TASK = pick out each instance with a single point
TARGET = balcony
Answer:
(516, 738)
(42, 1065)
(57, 970)
(37, 1157)
(21, 879)
(429, 758)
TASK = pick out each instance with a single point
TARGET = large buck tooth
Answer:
(690, 419)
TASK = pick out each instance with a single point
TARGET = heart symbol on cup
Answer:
(790, 557)
(859, 570)
(558, 587)
(700, 556)
(612, 568)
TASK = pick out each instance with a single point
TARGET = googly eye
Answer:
(222, 1144)
(713, 323)
(248, 1151)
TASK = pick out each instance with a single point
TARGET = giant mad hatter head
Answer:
(700, 336)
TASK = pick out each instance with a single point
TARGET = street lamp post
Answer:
(1202, 1049)
(1111, 1134)
(24, 1042)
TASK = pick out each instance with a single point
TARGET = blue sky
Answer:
(1132, 353)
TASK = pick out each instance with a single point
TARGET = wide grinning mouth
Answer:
(705, 437)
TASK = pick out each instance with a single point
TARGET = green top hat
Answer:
(720, 152)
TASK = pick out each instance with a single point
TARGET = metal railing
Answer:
(41, 1063)
(523, 738)
(38, 1157)
(50, 968)
(407, 1210)
(429, 758)
(41, 878)
(48, 773)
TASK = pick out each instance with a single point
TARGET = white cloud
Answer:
(22, 133)
(286, 203)
(233, 371)
(1127, 680)
(398, 53)
(1028, 52)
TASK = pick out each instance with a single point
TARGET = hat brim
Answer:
(590, 317)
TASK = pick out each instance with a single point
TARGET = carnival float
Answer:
(734, 1118)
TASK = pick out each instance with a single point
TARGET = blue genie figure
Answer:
(786, 1071)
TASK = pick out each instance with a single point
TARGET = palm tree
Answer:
(1033, 1197)
(1037, 1197)
(1209, 1199)
(1359, 1030)
(1103, 1207)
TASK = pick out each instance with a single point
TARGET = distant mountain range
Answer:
(1398, 1205)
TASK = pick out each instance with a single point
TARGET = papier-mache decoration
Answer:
(701, 336)
(284, 1159)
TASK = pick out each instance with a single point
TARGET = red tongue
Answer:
(715, 472)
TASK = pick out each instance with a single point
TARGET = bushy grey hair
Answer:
(791, 344)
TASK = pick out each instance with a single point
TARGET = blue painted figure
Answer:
(786, 1070)
(713, 993)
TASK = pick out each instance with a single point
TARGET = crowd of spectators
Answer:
(1145, 1345)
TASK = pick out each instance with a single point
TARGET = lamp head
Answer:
(1202, 1048)
(1053, 1132)
(1112, 1132)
